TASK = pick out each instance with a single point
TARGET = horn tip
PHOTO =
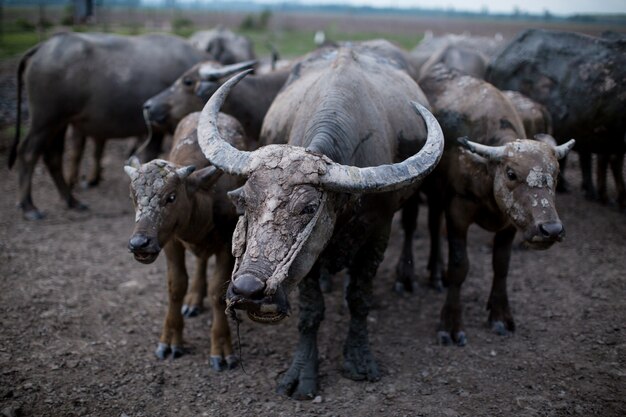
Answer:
(464, 141)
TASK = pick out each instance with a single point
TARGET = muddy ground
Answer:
(80, 318)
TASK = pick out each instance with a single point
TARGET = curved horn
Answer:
(211, 73)
(392, 176)
(563, 149)
(219, 152)
(492, 153)
(132, 166)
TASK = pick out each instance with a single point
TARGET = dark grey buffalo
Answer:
(224, 45)
(98, 84)
(326, 196)
(500, 181)
(582, 81)
(248, 102)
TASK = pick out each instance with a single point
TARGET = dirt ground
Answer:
(80, 319)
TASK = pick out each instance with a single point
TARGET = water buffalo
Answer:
(466, 60)
(248, 102)
(327, 196)
(582, 82)
(498, 181)
(181, 204)
(534, 116)
(95, 82)
(224, 45)
(451, 49)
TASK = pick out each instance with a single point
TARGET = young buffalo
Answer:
(502, 183)
(180, 205)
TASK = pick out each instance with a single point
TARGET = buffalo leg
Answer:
(96, 168)
(53, 158)
(617, 167)
(29, 152)
(601, 169)
(405, 269)
(451, 322)
(435, 260)
(172, 335)
(77, 147)
(221, 345)
(585, 166)
(359, 363)
(300, 380)
(500, 317)
(193, 300)
(562, 186)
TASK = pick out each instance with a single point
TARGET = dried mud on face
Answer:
(80, 319)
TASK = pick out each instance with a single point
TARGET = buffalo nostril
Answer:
(138, 242)
(248, 286)
(552, 230)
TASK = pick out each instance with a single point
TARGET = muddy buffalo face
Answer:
(160, 192)
(286, 220)
(189, 93)
(525, 173)
(288, 206)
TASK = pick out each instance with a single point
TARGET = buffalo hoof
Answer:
(217, 363)
(399, 288)
(502, 328)
(499, 328)
(445, 338)
(298, 389)
(436, 284)
(177, 352)
(190, 311)
(77, 205)
(232, 361)
(33, 214)
(404, 278)
(359, 365)
(300, 380)
(163, 350)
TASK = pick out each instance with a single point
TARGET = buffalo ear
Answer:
(204, 178)
(238, 200)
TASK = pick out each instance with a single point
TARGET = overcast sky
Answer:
(554, 6)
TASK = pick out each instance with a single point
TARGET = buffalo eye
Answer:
(170, 198)
(511, 174)
(188, 82)
(309, 209)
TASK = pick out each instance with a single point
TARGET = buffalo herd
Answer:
(288, 175)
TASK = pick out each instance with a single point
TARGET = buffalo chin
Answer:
(145, 258)
(538, 244)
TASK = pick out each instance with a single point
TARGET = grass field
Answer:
(290, 33)
(289, 42)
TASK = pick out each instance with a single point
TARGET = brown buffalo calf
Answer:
(502, 183)
(181, 204)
